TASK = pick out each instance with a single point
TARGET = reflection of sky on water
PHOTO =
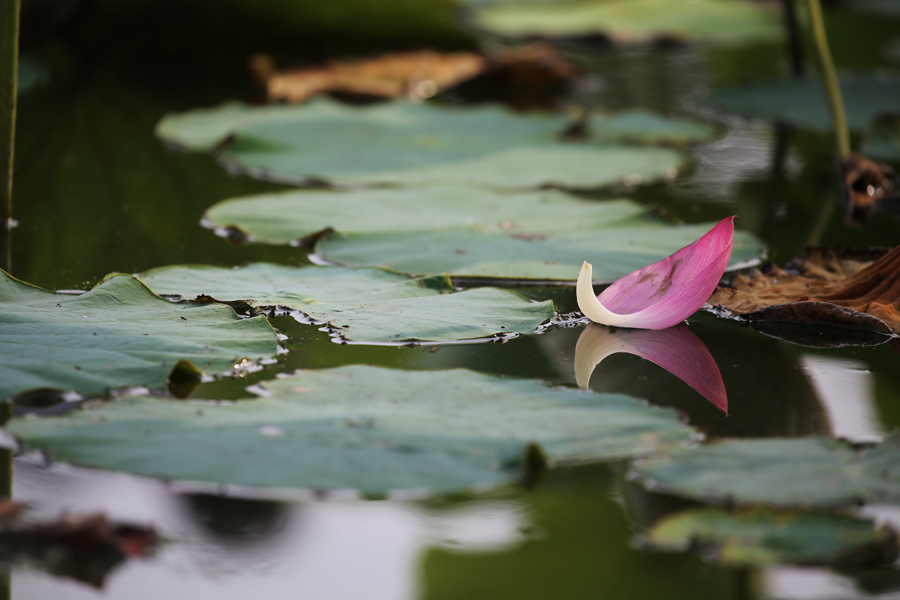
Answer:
(743, 154)
(845, 389)
(323, 550)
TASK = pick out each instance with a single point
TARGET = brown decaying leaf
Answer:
(866, 183)
(830, 287)
(418, 75)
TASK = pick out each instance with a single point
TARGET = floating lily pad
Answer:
(369, 305)
(413, 144)
(716, 21)
(359, 427)
(882, 140)
(289, 217)
(802, 102)
(118, 334)
(762, 536)
(813, 471)
(614, 252)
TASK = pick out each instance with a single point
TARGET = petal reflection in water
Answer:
(675, 349)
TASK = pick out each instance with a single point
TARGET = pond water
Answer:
(96, 192)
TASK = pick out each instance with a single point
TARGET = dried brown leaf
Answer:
(419, 74)
(859, 290)
(866, 183)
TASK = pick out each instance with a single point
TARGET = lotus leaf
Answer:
(360, 427)
(404, 143)
(370, 305)
(716, 21)
(802, 102)
(117, 334)
(809, 472)
(762, 536)
(289, 217)
(615, 251)
(882, 140)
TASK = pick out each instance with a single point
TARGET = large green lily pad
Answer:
(614, 251)
(289, 217)
(117, 334)
(370, 305)
(802, 102)
(360, 427)
(814, 471)
(717, 21)
(761, 536)
(403, 143)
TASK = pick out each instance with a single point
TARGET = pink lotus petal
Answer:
(664, 293)
(676, 350)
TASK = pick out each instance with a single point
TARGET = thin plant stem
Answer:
(792, 33)
(9, 66)
(829, 78)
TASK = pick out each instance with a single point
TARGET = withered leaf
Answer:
(866, 183)
(825, 287)
(418, 75)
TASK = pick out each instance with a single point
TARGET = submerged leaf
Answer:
(360, 427)
(666, 292)
(367, 305)
(675, 349)
(405, 143)
(718, 21)
(826, 287)
(761, 536)
(117, 334)
(808, 472)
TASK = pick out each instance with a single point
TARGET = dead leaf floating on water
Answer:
(825, 287)
(418, 75)
(866, 184)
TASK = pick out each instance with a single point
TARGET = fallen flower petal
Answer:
(676, 350)
(664, 293)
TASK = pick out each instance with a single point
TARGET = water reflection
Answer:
(675, 349)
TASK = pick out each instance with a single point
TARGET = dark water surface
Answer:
(96, 192)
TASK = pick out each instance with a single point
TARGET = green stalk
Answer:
(9, 67)
(829, 78)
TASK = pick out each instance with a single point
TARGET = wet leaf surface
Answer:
(802, 102)
(624, 21)
(117, 334)
(292, 217)
(807, 472)
(825, 287)
(369, 305)
(420, 74)
(555, 256)
(360, 427)
(762, 536)
(404, 143)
